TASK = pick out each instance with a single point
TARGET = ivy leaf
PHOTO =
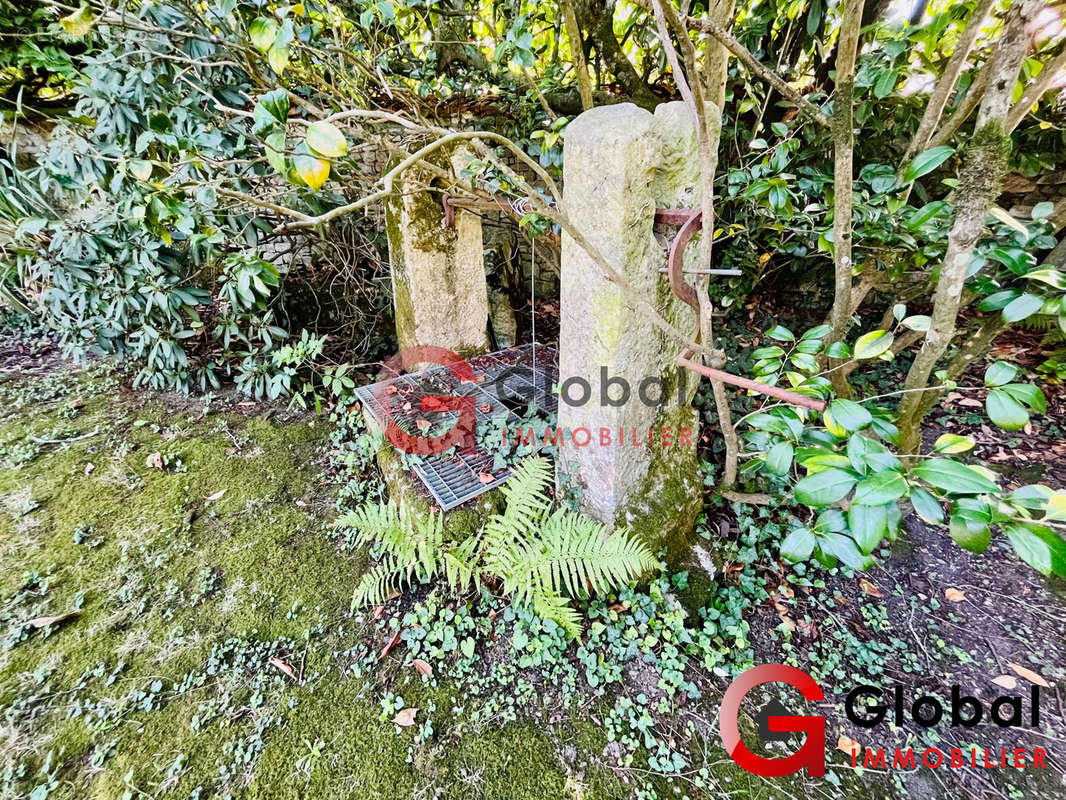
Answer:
(263, 31)
(1005, 411)
(278, 57)
(951, 476)
(825, 487)
(1042, 210)
(926, 162)
(798, 545)
(880, 488)
(1039, 547)
(873, 344)
(326, 140)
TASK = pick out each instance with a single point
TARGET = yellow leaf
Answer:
(311, 170)
(326, 140)
(278, 58)
(1056, 506)
(846, 744)
(405, 717)
(79, 23)
(954, 595)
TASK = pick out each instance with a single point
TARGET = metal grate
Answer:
(511, 378)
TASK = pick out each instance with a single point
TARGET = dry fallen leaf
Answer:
(1029, 675)
(870, 588)
(378, 611)
(1008, 682)
(44, 622)
(423, 667)
(954, 595)
(423, 425)
(391, 643)
(284, 668)
(155, 460)
(846, 744)
(405, 717)
(216, 496)
(485, 477)
(391, 390)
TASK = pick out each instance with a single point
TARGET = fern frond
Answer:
(461, 564)
(556, 608)
(377, 585)
(527, 505)
(573, 554)
(403, 535)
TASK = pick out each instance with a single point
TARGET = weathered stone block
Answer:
(438, 275)
(621, 162)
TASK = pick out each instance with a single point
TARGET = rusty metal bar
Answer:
(755, 386)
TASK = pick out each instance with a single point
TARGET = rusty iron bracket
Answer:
(691, 220)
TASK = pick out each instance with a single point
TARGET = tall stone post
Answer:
(438, 274)
(638, 467)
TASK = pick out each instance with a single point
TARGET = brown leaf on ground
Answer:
(391, 643)
(954, 595)
(1029, 675)
(155, 460)
(405, 717)
(486, 477)
(44, 622)
(283, 668)
(845, 744)
(391, 390)
(378, 611)
(1008, 682)
(870, 588)
(422, 667)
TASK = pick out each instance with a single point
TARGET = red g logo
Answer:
(461, 434)
(811, 755)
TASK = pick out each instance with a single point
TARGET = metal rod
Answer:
(755, 386)
(731, 272)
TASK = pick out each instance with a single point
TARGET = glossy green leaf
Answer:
(880, 488)
(798, 545)
(951, 476)
(825, 487)
(868, 525)
(1022, 307)
(1041, 548)
(948, 443)
(1000, 373)
(926, 506)
(850, 415)
(873, 344)
(1005, 411)
(926, 162)
(779, 458)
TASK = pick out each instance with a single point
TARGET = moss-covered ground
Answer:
(182, 583)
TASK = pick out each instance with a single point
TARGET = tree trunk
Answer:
(982, 171)
(844, 146)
